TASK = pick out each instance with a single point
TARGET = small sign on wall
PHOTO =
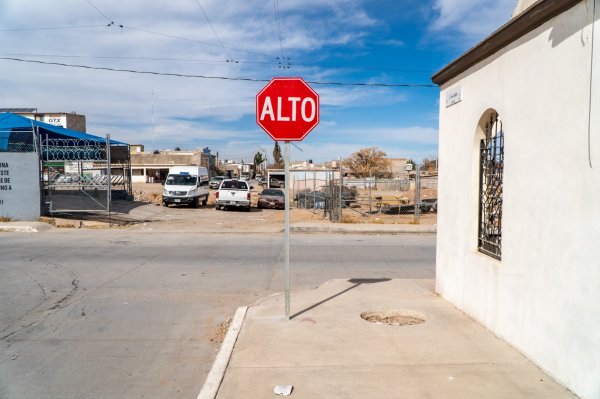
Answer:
(19, 186)
(453, 96)
(56, 120)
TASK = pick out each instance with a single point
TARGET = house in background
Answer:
(68, 120)
(153, 167)
(519, 187)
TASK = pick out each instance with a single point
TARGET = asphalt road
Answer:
(127, 314)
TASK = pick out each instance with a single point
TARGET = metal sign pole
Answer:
(286, 248)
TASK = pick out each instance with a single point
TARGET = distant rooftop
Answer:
(18, 110)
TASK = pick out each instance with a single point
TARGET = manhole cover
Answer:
(394, 317)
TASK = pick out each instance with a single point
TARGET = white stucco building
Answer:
(519, 230)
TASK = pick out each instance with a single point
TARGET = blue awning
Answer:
(11, 122)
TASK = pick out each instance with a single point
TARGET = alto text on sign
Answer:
(307, 109)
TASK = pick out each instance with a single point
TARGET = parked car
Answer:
(215, 182)
(275, 183)
(271, 198)
(233, 193)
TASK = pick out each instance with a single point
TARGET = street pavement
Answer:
(136, 312)
(326, 350)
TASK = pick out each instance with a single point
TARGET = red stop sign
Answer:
(287, 109)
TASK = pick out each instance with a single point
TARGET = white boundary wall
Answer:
(19, 186)
(543, 297)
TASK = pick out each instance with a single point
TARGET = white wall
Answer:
(543, 297)
(19, 186)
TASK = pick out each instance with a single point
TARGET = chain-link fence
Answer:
(17, 140)
(356, 200)
(78, 175)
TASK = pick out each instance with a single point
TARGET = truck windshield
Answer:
(181, 180)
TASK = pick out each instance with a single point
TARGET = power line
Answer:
(214, 77)
(100, 12)
(122, 26)
(52, 28)
(193, 40)
(121, 58)
(214, 31)
(208, 61)
(282, 62)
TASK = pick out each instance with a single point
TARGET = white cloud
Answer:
(471, 20)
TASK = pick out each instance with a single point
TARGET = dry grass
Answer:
(221, 331)
(5, 219)
(349, 219)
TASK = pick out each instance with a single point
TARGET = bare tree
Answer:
(368, 162)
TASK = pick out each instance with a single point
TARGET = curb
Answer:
(342, 230)
(217, 372)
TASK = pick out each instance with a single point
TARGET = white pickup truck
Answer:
(234, 192)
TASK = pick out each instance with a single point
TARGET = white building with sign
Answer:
(519, 187)
(68, 120)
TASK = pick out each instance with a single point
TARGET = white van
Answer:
(186, 185)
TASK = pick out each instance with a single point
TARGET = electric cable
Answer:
(214, 31)
(100, 12)
(122, 26)
(282, 62)
(52, 28)
(589, 132)
(215, 61)
(415, 85)
(193, 40)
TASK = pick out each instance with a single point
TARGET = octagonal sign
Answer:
(287, 109)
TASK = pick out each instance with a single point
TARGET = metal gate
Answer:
(491, 171)
(76, 174)
(319, 193)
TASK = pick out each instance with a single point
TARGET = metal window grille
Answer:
(490, 189)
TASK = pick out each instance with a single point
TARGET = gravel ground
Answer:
(151, 193)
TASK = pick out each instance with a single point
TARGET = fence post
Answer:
(314, 192)
(341, 190)
(417, 194)
(370, 193)
(108, 171)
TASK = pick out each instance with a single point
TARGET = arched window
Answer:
(491, 172)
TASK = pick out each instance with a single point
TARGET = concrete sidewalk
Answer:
(327, 350)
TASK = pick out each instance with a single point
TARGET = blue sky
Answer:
(336, 41)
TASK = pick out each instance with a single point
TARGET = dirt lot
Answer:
(358, 213)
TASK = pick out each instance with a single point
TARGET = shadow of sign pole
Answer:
(355, 281)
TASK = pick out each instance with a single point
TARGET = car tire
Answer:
(247, 209)
(205, 201)
(217, 207)
(165, 204)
